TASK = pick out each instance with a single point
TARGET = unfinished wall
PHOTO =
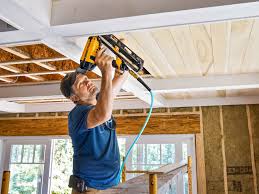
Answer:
(1, 162)
(213, 150)
(254, 118)
(231, 149)
(163, 121)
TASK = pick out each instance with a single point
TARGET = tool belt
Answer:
(77, 183)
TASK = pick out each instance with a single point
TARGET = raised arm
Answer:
(118, 81)
(103, 109)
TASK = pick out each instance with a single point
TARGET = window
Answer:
(152, 152)
(29, 161)
(152, 156)
(62, 165)
(28, 166)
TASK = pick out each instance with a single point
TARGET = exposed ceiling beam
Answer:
(19, 38)
(26, 92)
(15, 15)
(19, 71)
(214, 101)
(67, 106)
(33, 73)
(11, 107)
(133, 104)
(26, 61)
(7, 80)
(139, 15)
(205, 83)
(189, 84)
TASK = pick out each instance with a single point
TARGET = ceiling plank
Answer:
(149, 64)
(251, 62)
(184, 42)
(220, 33)
(151, 48)
(167, 45)
(239, 38)
(203, 46)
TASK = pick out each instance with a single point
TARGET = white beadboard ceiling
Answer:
(229, 47)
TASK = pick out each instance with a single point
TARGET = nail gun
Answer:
(126, 59)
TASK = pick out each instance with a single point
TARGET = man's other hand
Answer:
(104, 61)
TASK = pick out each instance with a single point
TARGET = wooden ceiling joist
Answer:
(26, 60)
(33, 61)
(22, 54)
(18, 71)
(25, 55)
(36, 73)
(8, 80)
(17, 52)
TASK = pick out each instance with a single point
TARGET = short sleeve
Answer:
(78, 119)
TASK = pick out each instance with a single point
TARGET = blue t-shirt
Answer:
(96, 156)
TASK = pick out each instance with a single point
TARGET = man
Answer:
(96, 158)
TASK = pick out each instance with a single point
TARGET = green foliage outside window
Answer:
(61, 166)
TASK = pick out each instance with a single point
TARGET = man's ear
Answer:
(74, 98)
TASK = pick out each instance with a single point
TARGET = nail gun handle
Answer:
(118, 64)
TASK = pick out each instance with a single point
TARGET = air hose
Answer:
(138, 136)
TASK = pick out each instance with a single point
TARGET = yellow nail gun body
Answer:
(126, 59)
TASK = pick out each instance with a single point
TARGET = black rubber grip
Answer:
(114, 64)
(143, 83)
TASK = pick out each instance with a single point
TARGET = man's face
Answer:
(84, 88)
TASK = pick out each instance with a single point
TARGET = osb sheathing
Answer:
(39, 51)
(213, 150)
(254, 116)
(236, 148)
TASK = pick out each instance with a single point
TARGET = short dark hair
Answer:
(67, 83)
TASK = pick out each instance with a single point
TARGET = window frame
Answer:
(166, 139)
(178, 140)
(31, 141)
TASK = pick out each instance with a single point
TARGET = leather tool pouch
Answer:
(77, 183)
